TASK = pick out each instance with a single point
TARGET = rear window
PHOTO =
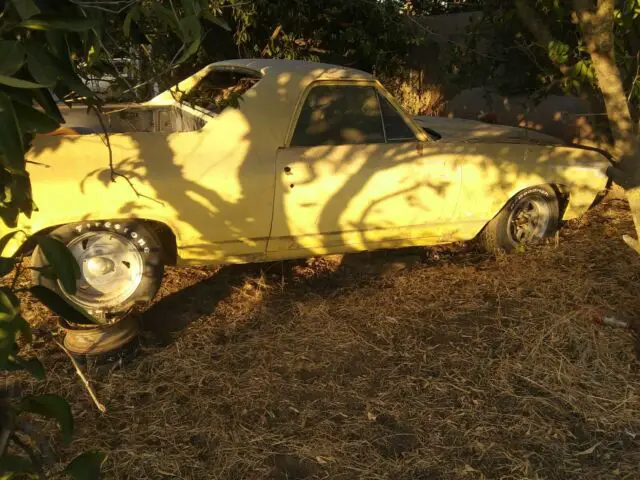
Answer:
(221, 89)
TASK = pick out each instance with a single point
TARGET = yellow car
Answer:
(260, 160)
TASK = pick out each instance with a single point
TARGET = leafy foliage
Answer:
(86, 466)
(51, 406)
(557, 63)
(60, 260)
(369, 34)
(42, 45)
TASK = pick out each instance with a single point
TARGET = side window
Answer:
(395, 127)
(339, 115)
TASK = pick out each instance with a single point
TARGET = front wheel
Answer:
(120, 263)
(528, 218)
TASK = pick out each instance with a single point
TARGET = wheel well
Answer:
(167, 240)
(164, 233)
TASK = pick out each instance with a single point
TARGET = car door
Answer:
(439, 170)
(344, 182)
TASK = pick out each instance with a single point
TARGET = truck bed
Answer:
(125, 118)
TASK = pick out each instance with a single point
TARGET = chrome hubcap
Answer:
(111, 269)
(100, 266)
(529, 221)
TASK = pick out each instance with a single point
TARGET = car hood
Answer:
(461, 130)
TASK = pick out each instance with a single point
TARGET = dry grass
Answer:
(416, 98)
(464, 366)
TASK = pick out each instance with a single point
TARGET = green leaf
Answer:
(192, 7)
(46, 271)
(93, 55)
(60, 307)
(46, 101)
(133, 15)
(62, 260)
(31, 365)
(558, 52)
(10, 135)
(584, 71)
(20, 189)
(34, 121)
(221, 22)
(11, 56)
(49, 68)
(9, 213)
(14, 464)
(18, 82)
(190, 50)
(55, 22)
(165, 16)
(51, 406)
(9, 302)
(86, 466)
(93, 41)
(25, 8)
(41, 66)
(6, 265)
(190, 27)
(7, 342)
(23, 327)
(58, 44)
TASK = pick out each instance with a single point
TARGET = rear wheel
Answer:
(120, 262)
(528, 218)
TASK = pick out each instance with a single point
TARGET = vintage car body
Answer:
(231, 188)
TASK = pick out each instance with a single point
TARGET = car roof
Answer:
(320, 71)
(296, 74)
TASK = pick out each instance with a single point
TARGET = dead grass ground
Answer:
(463, 366)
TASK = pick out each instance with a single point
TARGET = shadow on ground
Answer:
(454, 365)
(175, 310)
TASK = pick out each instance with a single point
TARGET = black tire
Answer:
(499, 233)
(129, 248)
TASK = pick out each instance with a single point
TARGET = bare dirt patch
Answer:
(452, 364)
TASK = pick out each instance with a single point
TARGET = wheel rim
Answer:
(100, 340)
(110, 269)
(529, 221)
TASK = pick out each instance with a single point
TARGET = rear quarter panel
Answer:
(492, 174)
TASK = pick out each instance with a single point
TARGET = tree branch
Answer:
(538, 29)
(85, 382)
(115, 174)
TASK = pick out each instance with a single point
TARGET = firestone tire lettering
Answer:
(139, 234)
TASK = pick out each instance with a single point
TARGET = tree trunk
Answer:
(597, 27)
(597, 24)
